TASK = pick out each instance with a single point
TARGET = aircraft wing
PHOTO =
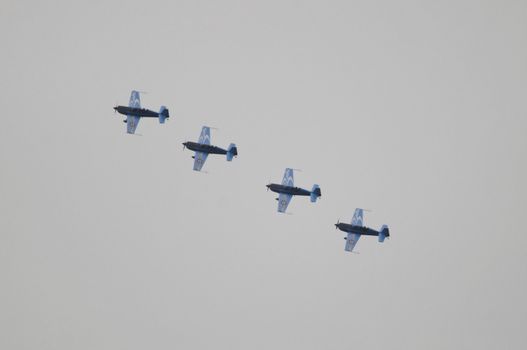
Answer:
(135, 101)
(131, 123)
(283, 202)
(351, 240)
(204, 137)
(357, 217)
(199, 160)
(288, 179)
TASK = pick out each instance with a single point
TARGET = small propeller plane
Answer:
(203, 148)
(134, 113)
(286, 191)
(356, 230)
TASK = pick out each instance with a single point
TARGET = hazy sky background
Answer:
(414, 109)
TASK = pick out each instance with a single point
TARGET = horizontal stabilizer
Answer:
(315, 193)
(163, 114)
(383, 233)
(232, 151)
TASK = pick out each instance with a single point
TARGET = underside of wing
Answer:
(135, 101)
(288, 179)
(131, 123)
(351, 240)
(204, 137)
(357, 217)
(199, 160)
(283, 202)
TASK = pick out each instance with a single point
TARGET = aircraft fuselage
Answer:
(361, 230)
(295, 191)
(199, 147)
(137, 112)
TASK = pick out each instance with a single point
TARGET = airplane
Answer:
(134, 113)
(286, 191)
(356, 230)
(203, 148)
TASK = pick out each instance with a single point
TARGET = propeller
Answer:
(337, 224)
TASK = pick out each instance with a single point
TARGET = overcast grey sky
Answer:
(414, 109)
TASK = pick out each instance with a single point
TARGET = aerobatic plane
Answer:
(286, 191)
(356, 230)
(134, 113)
(203, 148)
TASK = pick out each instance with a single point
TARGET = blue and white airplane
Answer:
(203, 148)
(134, 113)
(356, 230)
(286, 191)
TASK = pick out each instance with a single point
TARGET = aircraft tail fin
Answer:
(315, 193)
(232, 151)
(163, 114)
(383, 233)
